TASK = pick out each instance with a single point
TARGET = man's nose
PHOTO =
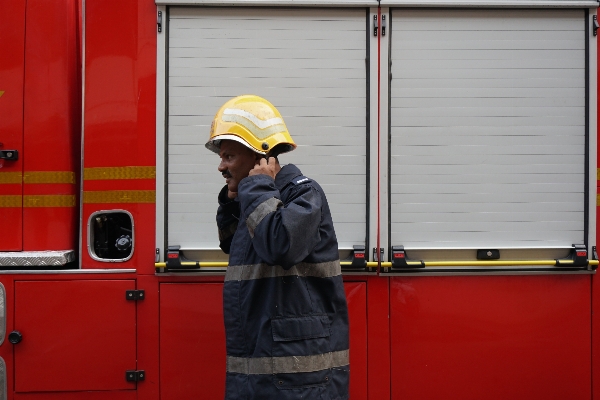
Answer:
(222, 167)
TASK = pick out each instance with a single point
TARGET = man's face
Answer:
(236, 162)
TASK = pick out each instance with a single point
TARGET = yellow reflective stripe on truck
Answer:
(110, 173)
(49, 200)
(49, 177)
(119, 196)
(38, 177)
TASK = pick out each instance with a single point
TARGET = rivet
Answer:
(265, 146)
(281, 382)
(326, 378)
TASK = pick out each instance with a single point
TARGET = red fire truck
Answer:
(456, 141)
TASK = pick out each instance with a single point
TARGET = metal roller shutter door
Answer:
(310, 63)
(488, 121)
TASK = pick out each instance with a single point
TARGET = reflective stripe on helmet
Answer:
(259, 128)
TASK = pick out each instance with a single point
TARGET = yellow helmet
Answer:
(253, 122)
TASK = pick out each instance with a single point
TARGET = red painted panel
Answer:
(378, 368)
(12, 48)
(192, 341)
(124, 395)
(52, 124)
(120, 91)
(77, 335)
(120, 110)
(148, 339)
(356, 295)
(491, 337)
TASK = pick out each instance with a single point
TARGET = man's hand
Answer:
(270, 168)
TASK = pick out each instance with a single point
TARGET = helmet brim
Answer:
(214, 145)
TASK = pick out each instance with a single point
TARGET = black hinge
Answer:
(135, 295)
(375, 26)
(135, 376)
(595, 24)
(159, 21)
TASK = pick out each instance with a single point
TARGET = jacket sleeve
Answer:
(282, 234)
(228, 215)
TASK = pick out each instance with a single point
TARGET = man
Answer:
(286, 318)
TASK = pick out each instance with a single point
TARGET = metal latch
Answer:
(399, 259)
(12, 155)
(358, 257)
(595, 25)
(159, 21)
(375, 26)
(135, 376)
(135, 295)
(383, 25)
(577, 258)
(173, 260)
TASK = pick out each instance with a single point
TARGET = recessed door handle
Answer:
(15, 337)
(12, 155)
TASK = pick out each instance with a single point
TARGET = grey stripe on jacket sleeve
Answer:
(265, 208)
(327, 269)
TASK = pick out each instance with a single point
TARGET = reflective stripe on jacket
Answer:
(286, 318)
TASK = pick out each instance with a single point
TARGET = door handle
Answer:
(15, 337)
(12, 155)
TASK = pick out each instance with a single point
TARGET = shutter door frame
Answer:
(436, 252)
(163, 59)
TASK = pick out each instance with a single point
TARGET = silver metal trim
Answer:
(492, 3)
(373, 125)
(36, 258)
(593, 129)
(310, 3)
(161, 55)
(389, 3)
(479, 272)
(3, 380)
(90, 236)
(2, 313)
(68, 271)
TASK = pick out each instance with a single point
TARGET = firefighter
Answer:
(286, 318)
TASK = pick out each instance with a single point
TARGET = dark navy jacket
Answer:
(286, 318)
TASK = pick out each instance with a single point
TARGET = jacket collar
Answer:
(286, 175)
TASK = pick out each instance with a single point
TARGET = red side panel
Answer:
(11, 124)
(123, 395)
(192, 341)
(492, 337)
(378, 367)
(120, 120)
(52, 126)
(356, 295)
(77, 335)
